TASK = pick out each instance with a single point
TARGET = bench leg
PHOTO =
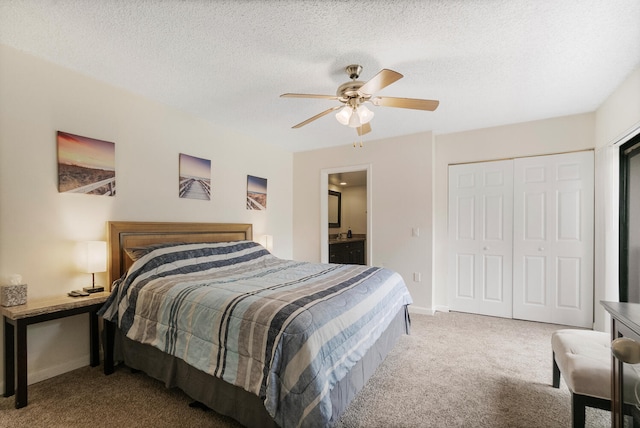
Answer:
(110, 332)
(578, 410)
(556, 372)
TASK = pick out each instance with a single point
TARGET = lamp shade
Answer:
(364, 114)
(344, 115)
(93, 256)
(354, 117)
(267, 242)
(354, 120)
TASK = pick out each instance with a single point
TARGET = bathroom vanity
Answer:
(347, 250)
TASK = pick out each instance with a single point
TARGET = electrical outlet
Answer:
(417, 277)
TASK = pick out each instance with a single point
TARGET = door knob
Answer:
(541, 249)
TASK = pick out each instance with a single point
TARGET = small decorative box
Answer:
(13, 295)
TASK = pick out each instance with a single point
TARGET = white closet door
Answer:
(480, 238)
(553, 239)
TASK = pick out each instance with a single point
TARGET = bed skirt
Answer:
(235, 402)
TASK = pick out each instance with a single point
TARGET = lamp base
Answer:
(94, 289)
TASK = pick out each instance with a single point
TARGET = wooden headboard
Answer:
(127, 234)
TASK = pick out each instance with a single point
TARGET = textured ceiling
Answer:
(488, 62)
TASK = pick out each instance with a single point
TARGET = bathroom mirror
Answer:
(335, 206)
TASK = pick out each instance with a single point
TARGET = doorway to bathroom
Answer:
(346, 192)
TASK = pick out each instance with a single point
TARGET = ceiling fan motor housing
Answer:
(348, 92)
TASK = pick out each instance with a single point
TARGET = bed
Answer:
(266, 341)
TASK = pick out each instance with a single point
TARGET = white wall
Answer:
(414, 192)
(354, 203)
(39, 226)
(620, 113)
(353, 209)
(617, 120)
(401, 200)
(558, 135)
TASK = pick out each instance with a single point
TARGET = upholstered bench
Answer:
(583, 357)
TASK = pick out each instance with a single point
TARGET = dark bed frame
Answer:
(222, 397)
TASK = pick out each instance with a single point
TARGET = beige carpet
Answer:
(454, 370)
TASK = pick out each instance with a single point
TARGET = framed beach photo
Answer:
(256, 193)
(194, 178)
(86, 165)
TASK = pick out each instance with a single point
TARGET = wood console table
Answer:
(16, 320)
(625, 322)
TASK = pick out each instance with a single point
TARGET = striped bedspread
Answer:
(286, 331)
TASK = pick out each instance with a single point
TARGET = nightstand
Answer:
(16, 320)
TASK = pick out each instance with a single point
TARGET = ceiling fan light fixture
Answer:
(344, 115)
(364, 114)
(354, 120)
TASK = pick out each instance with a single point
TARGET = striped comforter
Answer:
(286, 331)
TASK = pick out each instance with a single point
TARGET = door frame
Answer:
(628, 150)
(324, 209)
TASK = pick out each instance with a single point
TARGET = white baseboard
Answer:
(35, 376)
(420, 310)
(49, 372)
(413, 309)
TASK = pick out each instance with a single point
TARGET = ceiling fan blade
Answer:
(381, 80)
(364, 129)
(413, 103)
(325, 97)
(317, 116)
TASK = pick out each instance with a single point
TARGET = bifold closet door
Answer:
(480, 238)
(553, 239)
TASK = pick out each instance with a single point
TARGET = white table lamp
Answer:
(94, 260)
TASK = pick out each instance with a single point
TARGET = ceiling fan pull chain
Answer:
(355, 142)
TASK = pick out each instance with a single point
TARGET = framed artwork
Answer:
(256, 193)
(195, 178)
(86, 165)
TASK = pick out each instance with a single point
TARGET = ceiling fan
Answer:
(354, 94)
